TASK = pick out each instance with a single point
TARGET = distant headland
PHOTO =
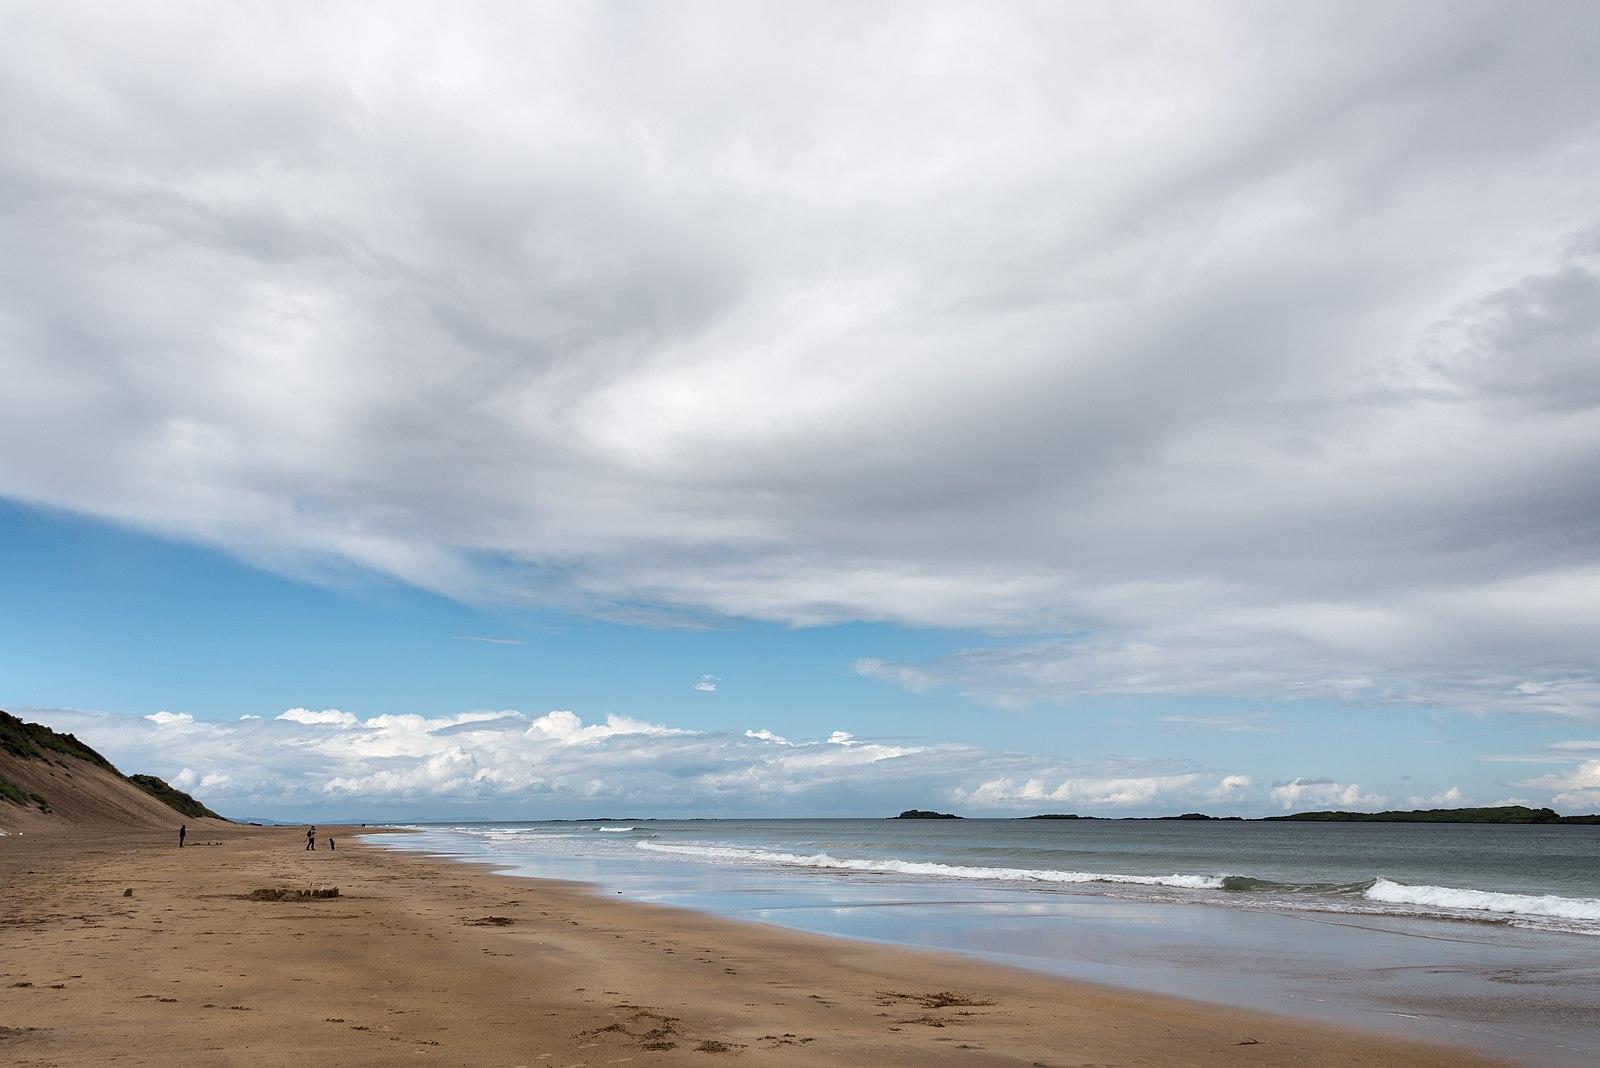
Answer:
(1496, 814)
(1520, 814)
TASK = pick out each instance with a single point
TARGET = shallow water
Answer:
(1276, 916)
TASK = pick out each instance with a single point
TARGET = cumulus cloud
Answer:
(511, 764)
(1254, 346)
(331, 717)
(1576, 788)
(1231, 785)
(767, 736)
(1094, 791)
(1323, 793)
(1449, 798)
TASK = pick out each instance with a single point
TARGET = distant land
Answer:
(1187, 816)
(1496, 814)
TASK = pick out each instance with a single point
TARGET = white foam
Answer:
(507, 834)
(613, 830)
(945, 871)
(1449, 897)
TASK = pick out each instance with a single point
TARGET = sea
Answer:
(1482, 935)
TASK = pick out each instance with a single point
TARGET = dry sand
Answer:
(423, 961)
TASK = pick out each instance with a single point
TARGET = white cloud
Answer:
(509, 764)
(707, 684)
(1093, 792)
(537, 311)
(1575, 789)
(1564, 752)
(1230, 786)
(1303, 793)
(1450, 798)
(1256, 722)
(169, 719)
(328, 717)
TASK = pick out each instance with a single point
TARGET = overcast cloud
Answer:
(1249, 350)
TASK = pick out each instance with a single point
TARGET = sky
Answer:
(512, 410)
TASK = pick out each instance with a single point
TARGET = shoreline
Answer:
(437, 960)
(1495, 988)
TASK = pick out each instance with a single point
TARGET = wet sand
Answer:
(428, 961)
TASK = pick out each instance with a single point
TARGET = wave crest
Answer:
(946, 871)
(1449, 897)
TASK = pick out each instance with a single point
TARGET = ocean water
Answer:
(1487, 935)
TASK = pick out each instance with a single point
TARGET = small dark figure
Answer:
(183, 832)
(311, 838)
(330, 843)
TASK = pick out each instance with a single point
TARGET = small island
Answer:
(1062, 816)
(1203, 818)
(924, 814)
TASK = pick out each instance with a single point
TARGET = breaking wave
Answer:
(928, 868)
(1449, 897)
(1378, 894)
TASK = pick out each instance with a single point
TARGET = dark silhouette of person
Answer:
(330, 842)
(183, 832)
(311, 838)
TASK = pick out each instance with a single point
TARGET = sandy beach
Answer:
(423, 960)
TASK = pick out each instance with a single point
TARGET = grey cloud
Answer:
(1371, 657)
(1198, 330)
(1536, 343)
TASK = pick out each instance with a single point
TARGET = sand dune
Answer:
(80, 790)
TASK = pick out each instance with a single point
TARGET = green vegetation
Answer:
(172, 796)
(924, 814)
(1500, 814)
(10, 791)
(34, 741)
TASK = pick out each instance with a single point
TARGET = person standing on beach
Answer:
(311, 838)
(183, 830)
